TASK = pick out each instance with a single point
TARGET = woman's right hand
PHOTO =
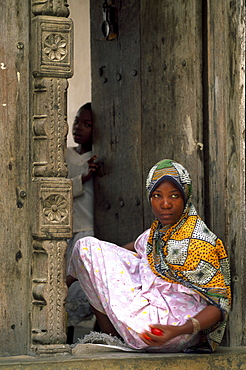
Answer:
(207, 317)
(153, 340)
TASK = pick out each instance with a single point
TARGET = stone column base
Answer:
(52, 350)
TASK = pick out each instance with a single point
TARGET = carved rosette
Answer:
(52, 54)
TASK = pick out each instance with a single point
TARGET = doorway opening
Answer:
(79, 91)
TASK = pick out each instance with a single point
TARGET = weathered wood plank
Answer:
(171, 62)
(116, 99)
(15, 178)
(226, 128)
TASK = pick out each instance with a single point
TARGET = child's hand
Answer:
(93, 167)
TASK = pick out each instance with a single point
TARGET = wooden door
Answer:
(117, 104)
(147, 100)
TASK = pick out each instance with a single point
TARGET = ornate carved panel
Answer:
(54, 208)
(50, 7)
(49, 127)
(48, 292)
(53, 48)
(52, 54)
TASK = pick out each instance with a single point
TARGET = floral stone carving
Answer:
(55, 208)
(55, 47)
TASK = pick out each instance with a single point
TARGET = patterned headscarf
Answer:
(188, 253)
(172, 171)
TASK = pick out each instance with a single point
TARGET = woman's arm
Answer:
(130, 246)
(139, 244)
(209, 316)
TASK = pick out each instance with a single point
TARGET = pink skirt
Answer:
(120, 284)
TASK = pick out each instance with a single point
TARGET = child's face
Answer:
(167, 203)
(82, 127)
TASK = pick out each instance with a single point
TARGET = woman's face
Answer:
(167, 203)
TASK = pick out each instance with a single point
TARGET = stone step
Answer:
(223, 358)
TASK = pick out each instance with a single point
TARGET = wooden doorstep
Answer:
(223, 358)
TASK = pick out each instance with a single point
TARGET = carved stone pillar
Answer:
(51, 59)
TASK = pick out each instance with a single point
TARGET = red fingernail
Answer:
(156, 331)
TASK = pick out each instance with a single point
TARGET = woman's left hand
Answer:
(167, 332)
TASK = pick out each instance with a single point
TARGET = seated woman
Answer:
(176, 279)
